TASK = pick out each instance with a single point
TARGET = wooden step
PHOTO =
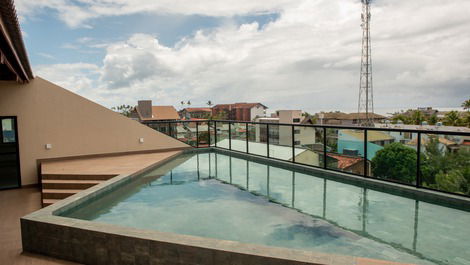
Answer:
(69, 184)
(47, 202)
(78, 176)
(58, 193)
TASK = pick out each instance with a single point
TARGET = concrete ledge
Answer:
(45, 232)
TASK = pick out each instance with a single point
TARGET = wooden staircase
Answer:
(56, 187)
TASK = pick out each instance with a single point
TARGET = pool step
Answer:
(58, 193)
(78, 176)
(56, 187)
(47, 202)
(69, 183)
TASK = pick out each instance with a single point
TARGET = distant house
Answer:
(195, 113)
(341, 118)
(240, 111)
(348, 163)
(351, 142)
(145, 112)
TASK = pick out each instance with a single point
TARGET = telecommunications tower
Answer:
(366, 100)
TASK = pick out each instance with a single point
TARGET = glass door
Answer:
(9, 157)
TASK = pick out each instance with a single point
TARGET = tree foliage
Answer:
(452, 118)
(444, 170)
(123, 109)
(396, 162)
(466, 105)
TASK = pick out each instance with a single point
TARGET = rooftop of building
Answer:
(160, 113)
(201, 109)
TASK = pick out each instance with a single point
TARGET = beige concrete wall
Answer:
(49, 114)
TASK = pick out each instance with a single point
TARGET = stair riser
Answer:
(56, 195)
(77, 177)
(67, 186)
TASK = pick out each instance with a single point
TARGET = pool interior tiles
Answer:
(222, 196)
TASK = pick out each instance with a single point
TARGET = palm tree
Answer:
(188, 103)
(182, 104)
(209, 103)
(452, 118)
(466, 105)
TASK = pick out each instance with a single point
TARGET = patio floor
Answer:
(15, 204)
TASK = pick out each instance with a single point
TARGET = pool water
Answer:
(218, 196)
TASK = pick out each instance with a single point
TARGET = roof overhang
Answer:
(14, 63)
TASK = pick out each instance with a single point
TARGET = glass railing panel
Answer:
(222, 134)
(211, 131)
(345, 150)
(257, 139)
(280, 142)
(238, 136)
(160, 127)
(445, 163)
(186, 132)
(203, 134)
(392, 155)
(308, 143)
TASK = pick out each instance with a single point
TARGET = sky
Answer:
(286, 54)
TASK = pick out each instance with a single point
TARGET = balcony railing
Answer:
(428, 159)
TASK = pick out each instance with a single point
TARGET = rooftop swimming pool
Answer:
(219, 196)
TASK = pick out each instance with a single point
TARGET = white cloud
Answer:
(76, 13)
(77, 77)
(308, 58)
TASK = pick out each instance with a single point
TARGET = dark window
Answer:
(297, 131)
(296, 120)
(297, 143)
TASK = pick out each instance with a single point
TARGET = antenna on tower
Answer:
(366, 100)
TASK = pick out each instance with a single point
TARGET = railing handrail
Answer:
(344, 127)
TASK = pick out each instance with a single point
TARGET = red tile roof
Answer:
(239, 105)
(198, 109)
(345, 161)
(161, 113)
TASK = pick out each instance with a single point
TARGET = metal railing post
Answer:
(418, 162)
(197, 134)
(267, 140)
(246, 135)
(215, 133)
(169, 130)
(230, 136)
(324, 147)
(293, 143)
(209, 133)
(365, 153)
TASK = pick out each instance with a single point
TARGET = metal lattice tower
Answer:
(366, 100)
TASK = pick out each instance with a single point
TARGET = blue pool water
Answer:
(218, 196)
